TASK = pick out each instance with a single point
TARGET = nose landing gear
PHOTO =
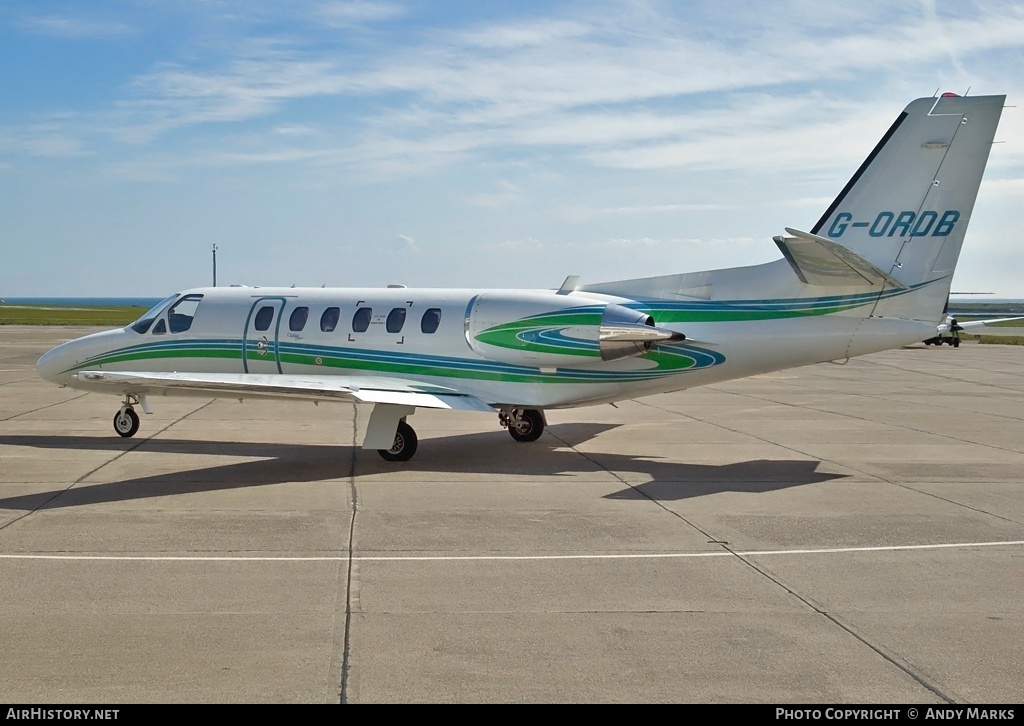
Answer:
(126, 421)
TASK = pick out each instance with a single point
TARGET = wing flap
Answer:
(364, 389)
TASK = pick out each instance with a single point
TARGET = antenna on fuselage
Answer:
(215, 265)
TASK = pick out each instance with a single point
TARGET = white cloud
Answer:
(142, 171)
(1003, 188)
(507, 194)
(665, 208)
(70, 27)
(617, 243)
(616, 122)
(50, 139)
(612, 86)
(404, 243)
(520, 35)
(293, 130)
(527, 244)
(353, 13)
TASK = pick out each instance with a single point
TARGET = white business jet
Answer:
(873, 273)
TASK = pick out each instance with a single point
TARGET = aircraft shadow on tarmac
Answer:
(495, 453)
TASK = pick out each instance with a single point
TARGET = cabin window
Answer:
(430, 320)
(329, 320)
(298, 319)
(159, 328)
(396, 319)
(264, 318)
(361, 320)
(181, 314)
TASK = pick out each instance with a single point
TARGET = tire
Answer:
(955, 343)
(405, 444)
(528, 427)
(126, 423)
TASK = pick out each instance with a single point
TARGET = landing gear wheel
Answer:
(404, 446)
(526, 425)
(126, 422)
(955, 343)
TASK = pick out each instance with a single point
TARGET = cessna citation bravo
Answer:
(873, 273)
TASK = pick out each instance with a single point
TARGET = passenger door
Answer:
(261, 353)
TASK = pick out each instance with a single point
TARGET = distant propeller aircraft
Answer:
(873, 273)
(948, 331)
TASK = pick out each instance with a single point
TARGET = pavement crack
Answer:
(343, 694)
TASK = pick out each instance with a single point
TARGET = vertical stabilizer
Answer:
(907, 208)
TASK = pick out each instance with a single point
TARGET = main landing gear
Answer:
(523, 424)
(938, 340)
(404, 446)
(126, 421)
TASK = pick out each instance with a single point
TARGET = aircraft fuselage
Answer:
(536, 349)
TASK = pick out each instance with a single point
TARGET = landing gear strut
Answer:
(404, 446)
(523, 424)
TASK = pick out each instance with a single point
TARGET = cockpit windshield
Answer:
(142, 324)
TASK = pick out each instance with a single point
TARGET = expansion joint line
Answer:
(895, 660)
(851, 466)
(636, 489)
(136, 445)
(914, 673)
(16, 381)
(43, 408)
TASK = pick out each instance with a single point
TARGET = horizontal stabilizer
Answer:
(362, 389)
(824, 263)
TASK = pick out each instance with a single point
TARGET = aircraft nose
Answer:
(56, 365)
(52, 364)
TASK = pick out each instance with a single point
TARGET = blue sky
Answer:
(498, 144)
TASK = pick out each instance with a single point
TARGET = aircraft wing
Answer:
(362, 389)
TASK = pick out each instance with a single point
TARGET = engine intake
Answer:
(552, 330)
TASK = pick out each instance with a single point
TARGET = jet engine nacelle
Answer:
(553, 330)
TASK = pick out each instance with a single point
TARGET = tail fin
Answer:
(906, 209)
